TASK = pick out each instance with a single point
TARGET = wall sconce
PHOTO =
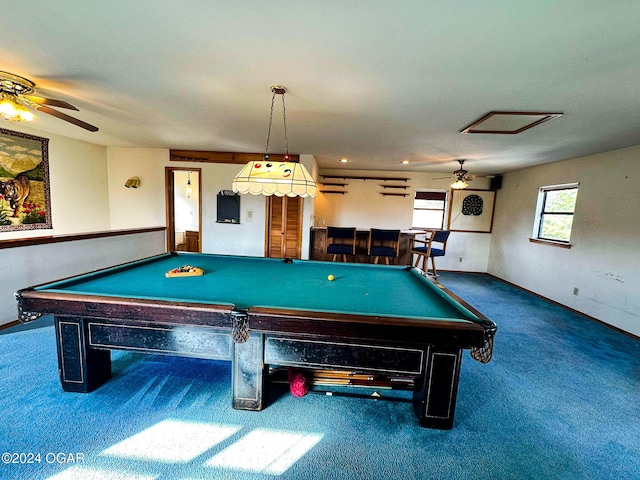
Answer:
(133, 182)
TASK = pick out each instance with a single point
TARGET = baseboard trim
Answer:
(573, 310)
(4, 326)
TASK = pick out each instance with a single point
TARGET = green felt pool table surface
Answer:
(245, 282)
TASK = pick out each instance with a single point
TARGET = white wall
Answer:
(78, 186)
(145, 206)
(364, 207)
(37, 264)
(137, 207)
(245, 238)
(604, 260)
(186, 207)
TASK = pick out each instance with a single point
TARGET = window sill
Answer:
(550, 243)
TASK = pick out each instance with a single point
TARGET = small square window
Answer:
(554, 213)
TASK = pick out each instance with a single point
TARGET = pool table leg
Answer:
(247, 373)
(434, 396)
(81, 368)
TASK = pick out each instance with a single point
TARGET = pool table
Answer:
(257, 312)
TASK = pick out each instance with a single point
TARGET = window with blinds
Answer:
(429, 209)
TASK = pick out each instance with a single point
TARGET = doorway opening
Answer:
(184, 209)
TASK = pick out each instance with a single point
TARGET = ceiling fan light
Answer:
(8, 107)
(459, 185)
(24, 115)
(14, 99)
(13, 111)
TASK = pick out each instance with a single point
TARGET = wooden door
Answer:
(284, 227)
(192, 240)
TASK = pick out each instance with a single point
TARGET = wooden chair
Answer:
(428, 251)
(341, 241)
(384, 243)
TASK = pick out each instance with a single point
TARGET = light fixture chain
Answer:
(284, 117)
(273, 99)
(275, 178)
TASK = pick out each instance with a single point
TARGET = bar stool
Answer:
(429, 251)
(384, 243)
(341, 241)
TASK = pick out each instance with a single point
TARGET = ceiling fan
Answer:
(461, 176)
(15, 94)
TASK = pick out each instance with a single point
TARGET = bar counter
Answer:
(318, 246)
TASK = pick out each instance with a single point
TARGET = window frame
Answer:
(541, 213)
(444, 210)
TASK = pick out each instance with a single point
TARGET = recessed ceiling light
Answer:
(508, 123)
(405, 162)
(344, 160)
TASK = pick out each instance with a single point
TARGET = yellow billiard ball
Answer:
(331, 278)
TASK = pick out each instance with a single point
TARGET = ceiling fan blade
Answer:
(50, 101)
(442, 178)
(67, 118)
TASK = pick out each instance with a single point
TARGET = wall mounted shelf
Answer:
(389, 194)
(326, 184)
(333, 191)
(349, 177)
(394, 186)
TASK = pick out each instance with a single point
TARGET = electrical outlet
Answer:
(575, 290)
(249, 215)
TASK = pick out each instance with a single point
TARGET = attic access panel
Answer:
(508, 123)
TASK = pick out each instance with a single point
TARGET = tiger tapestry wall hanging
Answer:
(25, 202)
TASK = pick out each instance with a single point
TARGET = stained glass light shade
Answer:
(275, 178)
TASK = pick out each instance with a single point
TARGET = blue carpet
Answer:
(559, 400)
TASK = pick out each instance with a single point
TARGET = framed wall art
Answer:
(25, 201)
(471, 210)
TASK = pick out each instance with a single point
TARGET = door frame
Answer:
(171, 210)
